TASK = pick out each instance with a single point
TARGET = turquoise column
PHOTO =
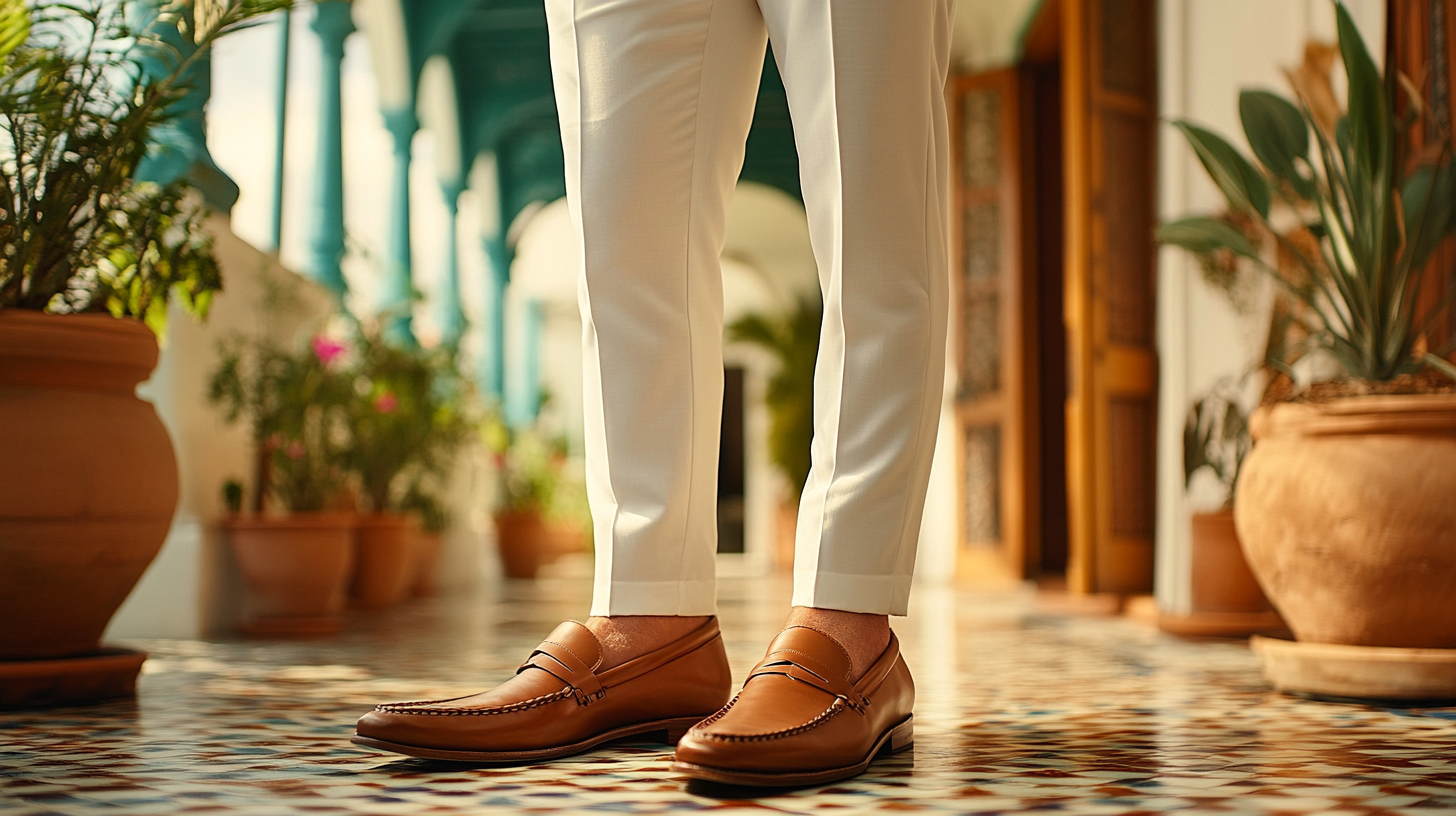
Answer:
(493, 355)
(332, 23)
(524, 400)
(396, 301)
(452, 317)
(178, 149)
(280, 128)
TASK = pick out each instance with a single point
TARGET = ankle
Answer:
(624, 637)
(864, 636)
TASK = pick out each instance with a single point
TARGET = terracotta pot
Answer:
(384, 563)
(1347, 512)
(1226, 598)
(428, 546)
(525, 541)
(88, 479)
(1222, 580)
(296, 568)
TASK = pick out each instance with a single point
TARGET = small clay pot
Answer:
(384, 559)
(88, 479)
(296, 568)
(1347, 513)
(1226, 599)
(525, 542)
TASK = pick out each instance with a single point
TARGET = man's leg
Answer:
(866, 89)
(865, 82)
(655, 99)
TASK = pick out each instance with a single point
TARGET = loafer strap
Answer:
(564, 665)
(797, 667)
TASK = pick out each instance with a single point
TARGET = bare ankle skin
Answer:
(864, 636)
(624, 637)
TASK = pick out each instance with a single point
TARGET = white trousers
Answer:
(655, 100)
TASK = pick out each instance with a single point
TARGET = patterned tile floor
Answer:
(1018, 710)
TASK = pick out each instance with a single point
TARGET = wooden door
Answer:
(996, 446)
(1110, 115)
(1419, 43)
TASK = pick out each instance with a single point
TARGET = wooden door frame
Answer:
(1093, 377)
(1003, 564)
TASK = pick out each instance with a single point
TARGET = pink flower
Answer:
(386, 403)
(326, 349)
(294, 451)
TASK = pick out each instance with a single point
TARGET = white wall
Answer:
(987, 33)
(1209, 51)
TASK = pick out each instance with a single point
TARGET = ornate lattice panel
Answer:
(983, 485)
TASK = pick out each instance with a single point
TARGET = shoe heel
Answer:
(674, 732)
(902, 736)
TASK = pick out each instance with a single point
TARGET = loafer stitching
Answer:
(413, 703)
(523, 705)
(835, 708)
(722, 712)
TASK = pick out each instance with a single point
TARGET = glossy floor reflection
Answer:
(1018, 710)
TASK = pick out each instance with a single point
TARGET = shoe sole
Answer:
(672, 731)
(893, 741)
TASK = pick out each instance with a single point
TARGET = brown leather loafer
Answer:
(559, 704)
(799, 721)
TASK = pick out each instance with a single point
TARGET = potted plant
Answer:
(539, 510)
(1225, 597)
(1344, 503)
(405, 419)
(793, 338)
(90, 258)
(296, 564)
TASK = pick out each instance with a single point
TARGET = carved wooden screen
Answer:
(988, 327)
(1110, 100)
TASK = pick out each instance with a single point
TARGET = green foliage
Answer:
(77, 231)
(14, 26)
(1204, 233)
(424, 499)
(794, 339)
(1279, 137)
(531, 466)
(1365, 227)
(1216, 435)
(409, 414)
(296, 403)
(1238, 179)
(232, 496)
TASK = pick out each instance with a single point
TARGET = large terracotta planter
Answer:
(1347, 512)
(1226, 599)
(384, 562)
(296, 569)
(88, 479)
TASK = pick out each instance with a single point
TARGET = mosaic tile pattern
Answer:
(1018, 710)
